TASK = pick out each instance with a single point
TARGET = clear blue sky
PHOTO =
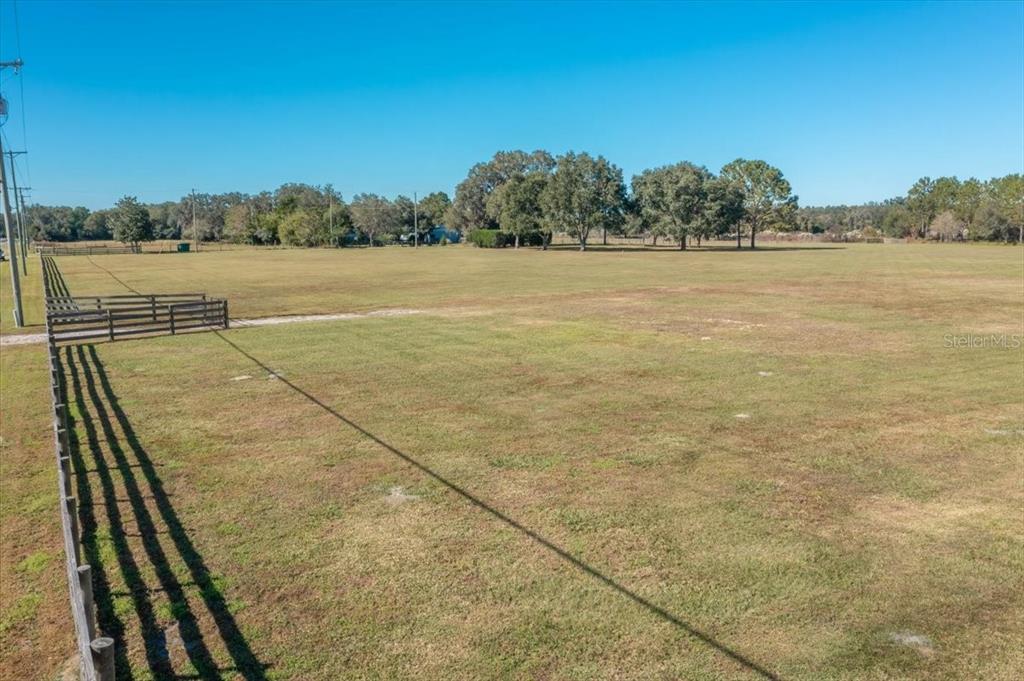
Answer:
(852, 101)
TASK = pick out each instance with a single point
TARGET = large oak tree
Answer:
(583, 194)
(767, 197)
(673, 199)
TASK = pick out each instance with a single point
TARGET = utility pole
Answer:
(12, 248)
(19, 319)
(20, 221)
(415, 220)
(195, 232)
(19, 200)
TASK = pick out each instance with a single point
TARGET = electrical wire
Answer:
(21, 89)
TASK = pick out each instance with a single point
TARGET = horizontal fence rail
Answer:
(87, 250)
(79, 319)
(111, 323)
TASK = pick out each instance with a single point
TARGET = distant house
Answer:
(441, 232)
(433, 236)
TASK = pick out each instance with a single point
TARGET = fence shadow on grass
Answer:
(654, 609)
(57, 283)
(118, 486)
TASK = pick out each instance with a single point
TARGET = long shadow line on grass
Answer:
(53, 273)
(112, 275)
(511, 522)
(105, 410)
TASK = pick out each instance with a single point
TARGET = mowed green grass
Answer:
(31, 298)
(472, 491)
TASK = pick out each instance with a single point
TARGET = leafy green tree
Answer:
(266, 228)
(408, 213)
(164, 217)
(469, 210)
(240, 224)
(584, 193)
(433, 208)
(337, 217)
(922, 205)
(97, 226)
(947, 226)
(202, 216)
(375, 216)
(56, 223)
(674, 198)
(516, 205)
(723, 209)
(1008, 197)
(130, 222)
(767, 197)
(898, 221)
(303, 227)
(967, 202)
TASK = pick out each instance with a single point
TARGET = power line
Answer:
(21, 91)
(12, 247)
(20, 213)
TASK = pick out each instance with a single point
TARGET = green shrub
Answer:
(531, 239)
(487, 238)
(494, 238)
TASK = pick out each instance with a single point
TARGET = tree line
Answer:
(294, 214)
(944, 209)
(527, 197)
(526, 193)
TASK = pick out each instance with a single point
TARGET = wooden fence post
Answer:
(65, 438)
(171, 308)
(65, 467)
(103, 657)
(152, 305)
(72, 507)
(110, 323)
(225, 314)
(85, 582)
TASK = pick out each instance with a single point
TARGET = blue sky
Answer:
(852, 101)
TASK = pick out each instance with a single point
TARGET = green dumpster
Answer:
(183, 248)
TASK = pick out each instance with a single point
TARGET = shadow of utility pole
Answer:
(654, 609)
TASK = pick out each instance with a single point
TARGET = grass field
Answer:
(613, 464)
(31, 298)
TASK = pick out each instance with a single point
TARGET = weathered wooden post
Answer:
(65, 467)
(85, 582)
(72, 507)
(225, 314)
(110, 323)
(65, 438)
(152, 305)
(171, 308)
(103, 657)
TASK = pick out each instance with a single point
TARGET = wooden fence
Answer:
(90, 319)
(96, 652)
(77, 319)
(87, 250)
(83, 319)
